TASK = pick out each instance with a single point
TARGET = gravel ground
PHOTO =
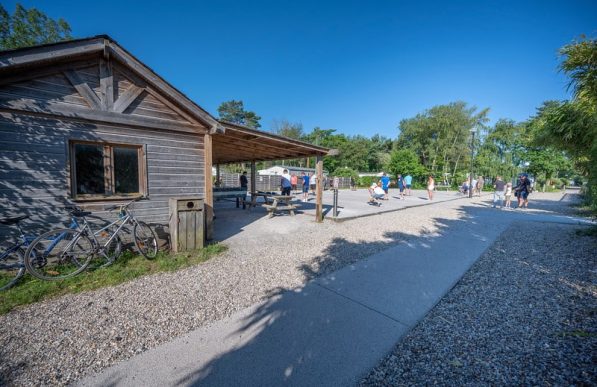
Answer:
(525, 314)
(59, 341)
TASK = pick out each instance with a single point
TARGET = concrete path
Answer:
(332, 331)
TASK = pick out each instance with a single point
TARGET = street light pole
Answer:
(470, 177)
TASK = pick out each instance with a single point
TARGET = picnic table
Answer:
(255, 195)
(280, 203)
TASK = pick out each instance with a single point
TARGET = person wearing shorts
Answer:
(305, 186)
(401, 187)
(408, 179)
(522, 190)
(385, 185)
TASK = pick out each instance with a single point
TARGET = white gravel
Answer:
(523, 315)
(58, 341)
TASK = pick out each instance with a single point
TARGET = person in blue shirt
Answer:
(385, 185)
(400, 182)
(305, 186)
(408, 179)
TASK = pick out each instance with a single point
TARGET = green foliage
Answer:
(288, 129)
(129, 266)
(405, 162)
(30, 27)
(346, 172)
(571, 126)
(441, 136)
(234, 112)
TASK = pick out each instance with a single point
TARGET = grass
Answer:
(129, 266)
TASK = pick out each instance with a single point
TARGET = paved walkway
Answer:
(333, 330)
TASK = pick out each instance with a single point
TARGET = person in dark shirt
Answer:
(522, 190)
(498, 194)
(244, 185)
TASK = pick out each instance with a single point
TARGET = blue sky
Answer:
(356, 66)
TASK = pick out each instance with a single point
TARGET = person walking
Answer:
(522, 190)
(401, 186)
(313, 182)
(408, 180)
(498, 194)
(508, 196)
(480, 183)
(430, 186)
(285, 183)
(305, 186)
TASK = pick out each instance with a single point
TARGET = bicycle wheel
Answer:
(59, 254)
(145, 240)
(108, 252)
(12, 266)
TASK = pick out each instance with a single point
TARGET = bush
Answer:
(346, 172)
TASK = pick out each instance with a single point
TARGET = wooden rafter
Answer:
(83, 88)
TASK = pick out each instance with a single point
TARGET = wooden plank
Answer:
(319, 191)
(209, 199)
(127, 98)
(53, 52)
(78, 113)
(106, 85)
(83, 89)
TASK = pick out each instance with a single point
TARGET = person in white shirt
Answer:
(377, 193)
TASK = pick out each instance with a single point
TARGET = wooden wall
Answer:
(34, 138)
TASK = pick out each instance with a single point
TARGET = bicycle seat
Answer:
(80, 214)
(13, 219)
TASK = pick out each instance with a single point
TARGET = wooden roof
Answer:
(24, 62)
(242, 144)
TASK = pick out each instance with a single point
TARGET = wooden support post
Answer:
(319, 189)
(209, 193)
(253, 177)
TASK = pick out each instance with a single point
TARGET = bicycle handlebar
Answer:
(124, 205)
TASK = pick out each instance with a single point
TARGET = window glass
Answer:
(126, 170)
(89, 161)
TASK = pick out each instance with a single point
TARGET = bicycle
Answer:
(12, 265)
(65, 252)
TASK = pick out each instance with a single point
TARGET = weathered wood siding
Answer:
(34, 166)
(34, 159)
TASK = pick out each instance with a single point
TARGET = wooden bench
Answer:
(280, 203)
(271, 209)
(442, 186)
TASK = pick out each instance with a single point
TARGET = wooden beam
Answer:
(253, 177)
(49, 53)
(79, 113)
(127, 98)
(209, 198)
(83, 89)
(106, 85)
(319, 189)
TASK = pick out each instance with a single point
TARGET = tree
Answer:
(234, 112)
(30, 27)
(288, 129)
(440, 136)
(572, 125)
(405, 162)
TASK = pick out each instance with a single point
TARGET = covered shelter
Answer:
(240, 144)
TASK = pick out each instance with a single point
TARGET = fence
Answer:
(272, 182)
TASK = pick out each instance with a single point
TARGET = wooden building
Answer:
(85, 122)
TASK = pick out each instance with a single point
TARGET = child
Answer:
(508, 195)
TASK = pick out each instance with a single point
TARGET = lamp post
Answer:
(470, 177)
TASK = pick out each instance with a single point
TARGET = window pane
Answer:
(89, 161)
(126, 170)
